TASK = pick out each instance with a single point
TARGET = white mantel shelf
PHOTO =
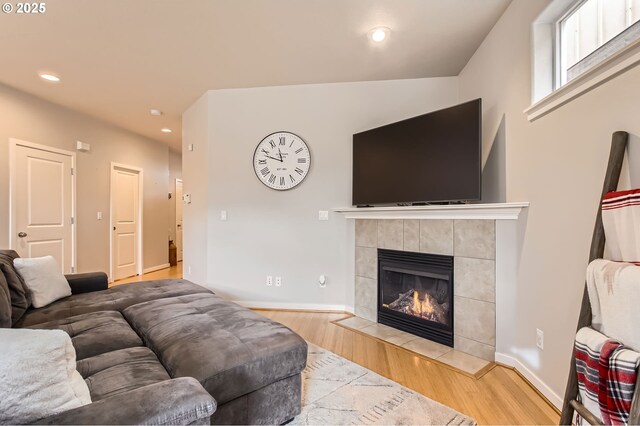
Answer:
(495, 211)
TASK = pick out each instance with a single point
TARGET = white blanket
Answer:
(38, 376)
(614, 293)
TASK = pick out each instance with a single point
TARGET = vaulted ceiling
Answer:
(119, 58)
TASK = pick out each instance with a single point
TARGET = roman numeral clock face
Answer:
(282, 160)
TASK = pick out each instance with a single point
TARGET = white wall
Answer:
(195, 132)
(32, 119)
(175, 172)
(558, 164)
(278, 233)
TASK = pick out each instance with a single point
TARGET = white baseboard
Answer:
(541, 386)
(294, 306)
(156, 268)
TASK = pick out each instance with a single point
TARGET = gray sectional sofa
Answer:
(166, 352)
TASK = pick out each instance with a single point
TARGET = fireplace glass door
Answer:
(416, 293)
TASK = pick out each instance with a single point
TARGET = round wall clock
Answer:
(282, 160)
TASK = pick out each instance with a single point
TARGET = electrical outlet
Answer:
(278, 281)
(269, 280)
(322, 280)
(323, 215)
(540, 339)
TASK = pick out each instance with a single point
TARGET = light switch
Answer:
(223, 215)
(323, 215)
(99, 215)
(190, 147)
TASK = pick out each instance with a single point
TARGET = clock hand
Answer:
(280, 154)
(273, 158)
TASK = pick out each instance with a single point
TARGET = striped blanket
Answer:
(621, 221)
(607, 374)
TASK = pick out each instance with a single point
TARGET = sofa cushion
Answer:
(20, 300)
(96, 333)
(231, 350)
(5, 303)
(114, 299)
(120, 371)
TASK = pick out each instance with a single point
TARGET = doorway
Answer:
(42, 197)
(179, 206)
(126, 221)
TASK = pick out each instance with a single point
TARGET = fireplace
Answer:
(415, 294)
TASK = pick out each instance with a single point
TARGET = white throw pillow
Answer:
(43, 278)
(38, 376)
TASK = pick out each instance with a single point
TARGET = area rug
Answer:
(336, 391)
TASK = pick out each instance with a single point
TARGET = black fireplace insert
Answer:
(415, 293)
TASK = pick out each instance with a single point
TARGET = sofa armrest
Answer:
(85, 283)
(179, 401)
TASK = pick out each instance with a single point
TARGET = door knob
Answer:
(22, 234)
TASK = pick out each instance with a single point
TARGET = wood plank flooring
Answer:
(173, 272)
(500, 397)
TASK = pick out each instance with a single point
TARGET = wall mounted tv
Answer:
(431, 158)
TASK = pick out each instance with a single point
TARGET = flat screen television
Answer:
(431, 158)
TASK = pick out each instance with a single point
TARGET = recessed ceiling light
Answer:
(378, 34)
(165, 130)
(154, 111)
(49, 77)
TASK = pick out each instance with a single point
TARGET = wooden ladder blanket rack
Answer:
(571, 404)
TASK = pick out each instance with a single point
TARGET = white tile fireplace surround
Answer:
(470, 233)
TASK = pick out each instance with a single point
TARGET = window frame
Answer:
(547, 92)
(558, 80)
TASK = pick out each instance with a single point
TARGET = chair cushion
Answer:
(5, 303)
(231, 350)
(120, 371)
(114, 299)
(96, 333)
(20, 300)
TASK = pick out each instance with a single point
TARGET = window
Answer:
(591, 32)
(578, 45)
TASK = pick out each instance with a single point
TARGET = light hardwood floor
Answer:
(173, 272)
(500, 397)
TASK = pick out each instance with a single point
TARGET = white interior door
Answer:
(42, 198)
(125, 221)
(179, 205)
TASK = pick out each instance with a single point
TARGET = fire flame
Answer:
(422, 307)
(417, 306)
